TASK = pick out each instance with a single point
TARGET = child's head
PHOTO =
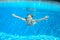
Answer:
(29, 15)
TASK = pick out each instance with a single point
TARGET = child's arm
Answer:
(46, 17)
(18, 17)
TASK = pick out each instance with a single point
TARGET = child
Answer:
(29, 19)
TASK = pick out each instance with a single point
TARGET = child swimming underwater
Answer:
(29, 19)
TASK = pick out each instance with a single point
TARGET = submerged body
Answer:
(29, 20)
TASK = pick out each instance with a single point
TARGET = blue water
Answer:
(12, 28)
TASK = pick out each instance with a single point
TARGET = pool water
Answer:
(12, 28)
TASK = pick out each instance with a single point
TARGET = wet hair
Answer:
(30, 14)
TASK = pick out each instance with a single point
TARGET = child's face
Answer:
(29, 17)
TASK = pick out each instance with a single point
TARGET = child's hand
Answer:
(46, 17)
(13, 15)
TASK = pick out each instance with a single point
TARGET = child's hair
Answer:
(30, 14)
